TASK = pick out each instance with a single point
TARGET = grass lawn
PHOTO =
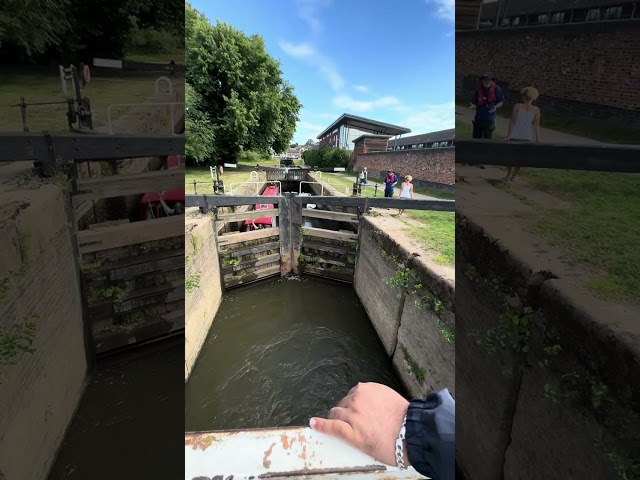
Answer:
(202, 174)
(601, 229)
(437, 234)
(43, 85)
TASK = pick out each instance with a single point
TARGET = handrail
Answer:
(256, 184)
(149, 104)
(317, 183)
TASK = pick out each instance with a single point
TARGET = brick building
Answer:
(582, 55)
(439, 139)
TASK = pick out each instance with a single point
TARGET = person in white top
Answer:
(524, 125)
(406, 191)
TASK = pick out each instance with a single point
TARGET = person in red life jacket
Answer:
(390, 183)
(380, 422)
(486, 101)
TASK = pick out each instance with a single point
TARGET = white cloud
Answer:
(309, 126)
(431, 118)
(307, 53)
(347, 103)
(444, 9)
(309, 11)
(361, 88)
(324, 116)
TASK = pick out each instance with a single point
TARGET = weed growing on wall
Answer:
(192, 282)
(16, 339)
(414, 368)
(24, 240)
(110, 293)
(511, 334)
(230, 262)
(626, 467)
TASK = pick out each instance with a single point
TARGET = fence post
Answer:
(23, 112)
(285, 233)
(296, 234)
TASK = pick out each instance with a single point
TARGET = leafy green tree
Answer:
(327, 157)
(199, 131)
(242, 90)
(33, 26)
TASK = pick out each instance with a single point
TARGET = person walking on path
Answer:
(406, 191)
(390, 183)
(524, 125)
(486, 101)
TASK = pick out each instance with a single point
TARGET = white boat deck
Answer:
(291, 453)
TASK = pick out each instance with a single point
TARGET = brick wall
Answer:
(589, 70)
(428, 167)
(39, 392)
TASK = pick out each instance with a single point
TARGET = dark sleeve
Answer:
(431, 435)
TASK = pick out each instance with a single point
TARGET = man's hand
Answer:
(369, 418)
(493, 109)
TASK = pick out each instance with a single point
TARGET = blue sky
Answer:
(391, 61)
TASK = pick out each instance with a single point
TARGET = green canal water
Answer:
(280, 352)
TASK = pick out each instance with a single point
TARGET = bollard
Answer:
(359, 189)
(195, 189)
(375, 190)
(355, 189)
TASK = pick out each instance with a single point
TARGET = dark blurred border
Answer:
(547, 350)
(92, 221)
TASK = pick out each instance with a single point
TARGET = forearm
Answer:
(430, 436)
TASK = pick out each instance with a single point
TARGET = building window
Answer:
(613, 13)
(543, 19)
(515, 21)
(594, 15)
(506, 22)
(557, 17)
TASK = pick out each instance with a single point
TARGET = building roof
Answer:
(439, 136)
(364, 125)
(371, 135)
(467, 14)
(528, 7)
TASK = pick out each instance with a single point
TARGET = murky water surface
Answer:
(280, 352)
(128, 423)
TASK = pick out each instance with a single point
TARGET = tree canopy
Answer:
(241, 88)
(60, 30)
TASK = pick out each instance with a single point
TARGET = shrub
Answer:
(151, 40)
(327, 157)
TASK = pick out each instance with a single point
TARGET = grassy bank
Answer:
(437, 233)
(599, 228)
(107, 87)
(204, 184)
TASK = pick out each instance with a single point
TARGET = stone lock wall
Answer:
(411, 308)
(42, 379)
(203, 285)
